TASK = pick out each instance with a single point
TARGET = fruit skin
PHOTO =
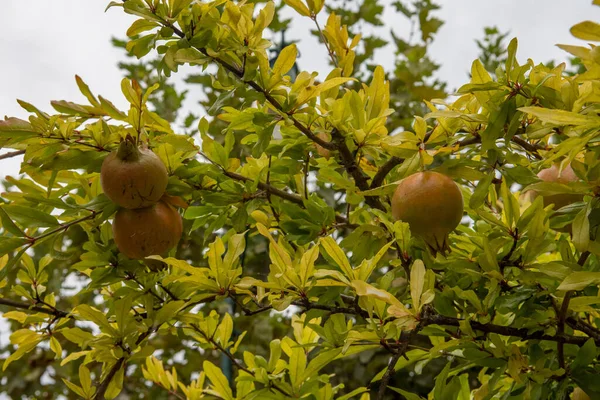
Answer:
(567, 176)
(133, 177)
(147, 231)
(432, 204)
(579, 394)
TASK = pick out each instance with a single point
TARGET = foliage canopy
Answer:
(292, 279)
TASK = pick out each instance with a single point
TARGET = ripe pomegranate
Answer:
(432, 204)
(322, 151)
(553, 174)
(147, 231)
(579, 394)
(133, 177)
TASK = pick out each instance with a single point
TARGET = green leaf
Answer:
(299, 6)
(561, 117)
(168, 312)
(586, 30)
(7, 244)
(139, 26)
(78, 391)
(297, 366)
(481, 191)
(407, 395)
(91, 314)
(417, 283)
(85, 90)
(320, 361)
(337, 255)
(285, 60)
(585, 356)
(579, 280)
(581, 229)
(9, 225)
(218, 380)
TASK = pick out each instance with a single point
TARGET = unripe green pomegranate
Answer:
(432, 204)
(133, 177)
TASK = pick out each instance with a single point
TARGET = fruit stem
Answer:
(128, 151)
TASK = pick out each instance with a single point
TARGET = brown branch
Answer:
(11, 154)
(577, 324)
(111, 374)
(397, 354)
(394, 161)
(25, 306)
(63, 227)
(384, 170)
(332, 309)
(385, 379)
(531, 148)
(270, 189)
(324, 40)
(349, 162)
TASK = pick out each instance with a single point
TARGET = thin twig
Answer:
(25, 306)
(388, 374)
(11, 154)
(324, 40)
(111, 374)
(530, 148)
(272, 190)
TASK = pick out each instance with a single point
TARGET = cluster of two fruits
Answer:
(136, 179)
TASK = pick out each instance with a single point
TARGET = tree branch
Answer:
(531, 148)
(270, 189)
(349, 162)
(384, 170)
(111, 374)
(324, 40)
(385, 379)
(11, 154)
(25, 306)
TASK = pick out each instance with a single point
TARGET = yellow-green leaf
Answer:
(561, 117)
(586, 30)
(299, 6)
(579, 280)
(218, 380)
(286, 60)
(337, 254)
(417, 283)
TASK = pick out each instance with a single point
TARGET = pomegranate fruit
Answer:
(566, 176)
(147, 231)
(133, 177)
(432, 205)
